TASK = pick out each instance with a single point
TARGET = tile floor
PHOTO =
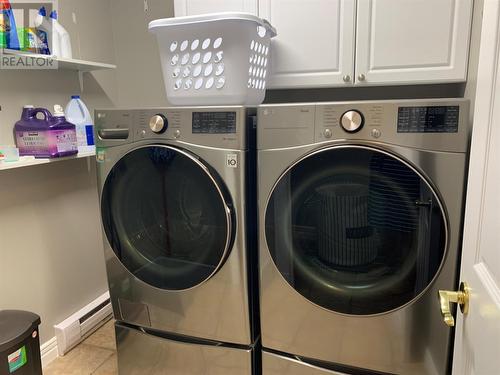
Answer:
(95, 355)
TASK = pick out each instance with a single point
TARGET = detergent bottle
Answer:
(48, 137)
(78, 114)
(62, 36)
(44, 31)
(28, 40)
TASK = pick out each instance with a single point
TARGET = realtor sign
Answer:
(25, 33)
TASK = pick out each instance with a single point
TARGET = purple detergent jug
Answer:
(50, 137)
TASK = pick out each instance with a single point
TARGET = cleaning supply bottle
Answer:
(31, 40)
(8, 30)
(60, 33)
(50, 137)
(44, 30)
(78, 114)
(28, 40)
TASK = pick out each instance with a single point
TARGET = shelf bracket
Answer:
(80, 80)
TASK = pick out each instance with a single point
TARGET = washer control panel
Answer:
(214, 122)
(224, 126)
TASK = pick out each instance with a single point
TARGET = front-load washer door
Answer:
(356, 230)
(167, 217)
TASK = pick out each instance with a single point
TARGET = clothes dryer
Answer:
(361, 210)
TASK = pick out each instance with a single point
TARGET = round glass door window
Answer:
(356, 230)
(166, 217)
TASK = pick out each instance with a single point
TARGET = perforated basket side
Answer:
(223, 62)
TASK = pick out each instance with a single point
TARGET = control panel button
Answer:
(158, 123)
(100, 156)
(327, 133)
(177, 133)
(143, 133)
(375, 133)
(352, 121)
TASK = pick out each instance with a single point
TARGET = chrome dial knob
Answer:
(352, 121)
(158, 123)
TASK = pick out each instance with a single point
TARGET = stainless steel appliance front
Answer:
(172, 187)
(360, 210)
(140, 353)
(275, 364)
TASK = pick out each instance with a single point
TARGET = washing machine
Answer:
(360, 218)
(178, 208)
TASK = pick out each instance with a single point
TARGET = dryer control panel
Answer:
(430, 119)
(438, 124)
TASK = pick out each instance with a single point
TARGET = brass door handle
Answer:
(446, 298)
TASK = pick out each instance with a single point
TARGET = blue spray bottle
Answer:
(8, 30)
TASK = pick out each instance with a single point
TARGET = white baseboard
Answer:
(49, 351)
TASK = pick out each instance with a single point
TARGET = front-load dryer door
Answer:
(356, 230)
(167, 217)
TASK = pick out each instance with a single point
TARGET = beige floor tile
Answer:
(110, 367)
(104, 337)
(82, 360)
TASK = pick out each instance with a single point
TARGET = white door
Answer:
(315, 42)
(412, 41)
(477, 339)
(194, 7)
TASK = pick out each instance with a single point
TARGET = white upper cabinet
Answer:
(412, 41)
(339, 43)
(194, 7)
(315, 42)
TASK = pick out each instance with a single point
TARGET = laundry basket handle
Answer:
(269, 28)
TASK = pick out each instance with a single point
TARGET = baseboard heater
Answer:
(81, 324)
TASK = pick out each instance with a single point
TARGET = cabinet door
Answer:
(412, 41)
(315, 42)
(193, 7)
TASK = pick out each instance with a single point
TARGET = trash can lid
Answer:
(15, 325)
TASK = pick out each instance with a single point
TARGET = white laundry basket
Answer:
(214, 59)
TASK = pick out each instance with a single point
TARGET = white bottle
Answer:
(45, 25)
(60, 33)
(78, 114)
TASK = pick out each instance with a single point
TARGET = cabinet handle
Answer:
(346, 78)
(361, 77)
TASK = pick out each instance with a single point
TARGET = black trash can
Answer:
(19, 343)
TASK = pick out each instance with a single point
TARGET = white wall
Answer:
(51, 258)
(139, 77)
